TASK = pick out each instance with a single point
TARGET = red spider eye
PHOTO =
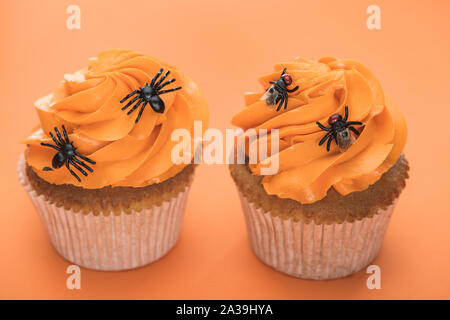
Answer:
(287, 79)
(333, 118)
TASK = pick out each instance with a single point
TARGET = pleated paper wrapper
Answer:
(110, 242)
(312, 251)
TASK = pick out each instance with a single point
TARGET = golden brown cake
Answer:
(109, 200)
(334, 208)
(340, 170)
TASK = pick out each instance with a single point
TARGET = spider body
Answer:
(149, 94)
(59, 159)
(67, 155)
(277, 93)
(339, 131)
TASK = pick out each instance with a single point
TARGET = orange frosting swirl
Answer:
(88, 104)
(307, 170)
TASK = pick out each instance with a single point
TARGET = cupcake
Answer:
(99, 167)
(340, 167)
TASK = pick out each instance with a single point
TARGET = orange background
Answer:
(225, 45)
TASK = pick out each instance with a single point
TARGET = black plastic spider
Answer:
(67, 154)
(339, 131)
(150, 94)
(278, 91)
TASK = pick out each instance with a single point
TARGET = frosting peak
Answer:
(126, 153)
(307, 170)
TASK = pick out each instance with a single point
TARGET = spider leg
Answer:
(165, 84)
(156, 77)
(321, 126)
(84, 158)
(272, 82)
(346, 114)
(51, 146)
(78, 167)
(66, 137)
(354, 130)
(353, 123)
(284, 71)
(135, 106)
(71, 171)
(59, 136)
(129, 95)
(162, 79)
(54, 140)
(292, 90)
(286, 97)
(168, 90)
(141, 111)
(325, 137)
(131, 102)
(82, 164)
(329, 143)
(281, 103)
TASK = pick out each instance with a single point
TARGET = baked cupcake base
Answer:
(314, 251)
(331, 238)
(110, 241)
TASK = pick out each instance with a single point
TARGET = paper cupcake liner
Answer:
(312, 251)
(110, 242)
